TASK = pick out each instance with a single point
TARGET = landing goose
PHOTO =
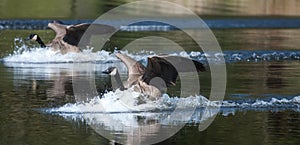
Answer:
(68, 36)
(158, 67)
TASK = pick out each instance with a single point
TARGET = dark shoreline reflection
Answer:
(80, 9)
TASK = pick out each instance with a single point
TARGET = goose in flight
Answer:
(68, 36)
(162, 69)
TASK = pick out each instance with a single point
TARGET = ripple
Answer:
(158, 26)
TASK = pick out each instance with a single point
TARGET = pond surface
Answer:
(81, 9)
(261, 104)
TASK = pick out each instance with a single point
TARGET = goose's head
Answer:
(110, 71)
(33, 37)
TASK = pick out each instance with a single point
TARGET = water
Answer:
(262, 87)
(261, 104)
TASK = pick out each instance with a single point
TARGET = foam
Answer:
(114, 112)
(24, 54)
(127, 101)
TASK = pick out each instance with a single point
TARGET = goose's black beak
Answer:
(32, 37)
(110, 70)
(106, 71)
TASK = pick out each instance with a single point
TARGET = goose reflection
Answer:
(62, 87)
(58, 89)
(53, 82)
(140, 128)
(274, 78)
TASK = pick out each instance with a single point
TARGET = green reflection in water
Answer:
(91, 9)
(54, 9)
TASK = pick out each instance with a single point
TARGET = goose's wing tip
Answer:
(199, 66)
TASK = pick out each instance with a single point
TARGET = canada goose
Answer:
(68, 36)
(158, 67)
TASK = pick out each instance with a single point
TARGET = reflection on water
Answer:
(244, 7)
(50, 85)
(287, 122)
(229, 39)
(137, 128)
(273, 81)
(264, 78)
(261, 104)
(262, 89)
(258, 39)
(80, 9)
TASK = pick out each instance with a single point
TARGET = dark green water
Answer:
(27, 89)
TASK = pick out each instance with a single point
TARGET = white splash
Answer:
(46, 55)
(116, 109)
(272, 103)
(37, 55)
(119, 112)
(129, 101)
(24, 54)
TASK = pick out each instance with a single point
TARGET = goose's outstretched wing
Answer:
(59, 29)
(135, 68)
(167, 68)
(75, 32)
(72, 34)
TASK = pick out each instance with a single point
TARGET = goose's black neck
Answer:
(39, 40)
(118, 82)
